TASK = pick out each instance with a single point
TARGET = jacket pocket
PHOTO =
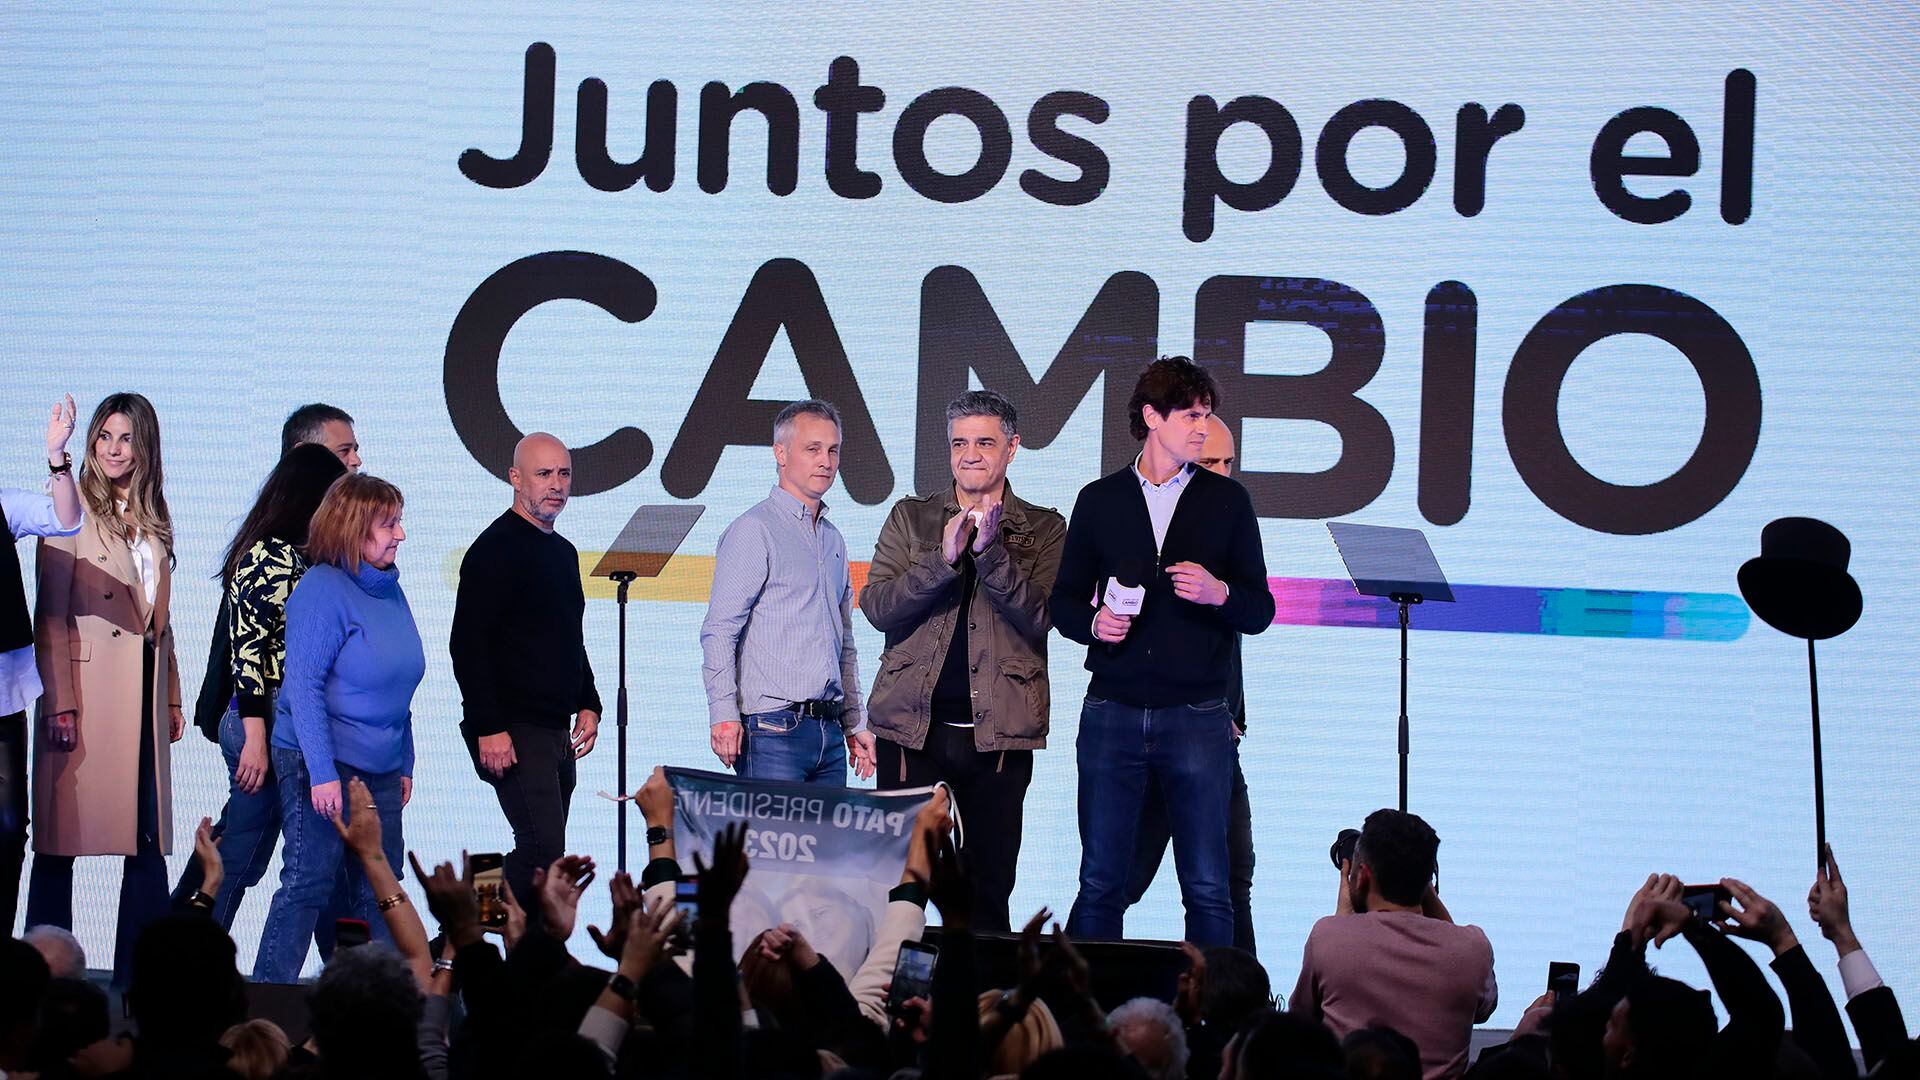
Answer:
(81, 650)
(885, 701)
(1023, 707)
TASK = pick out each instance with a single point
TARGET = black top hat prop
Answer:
(1800, 586)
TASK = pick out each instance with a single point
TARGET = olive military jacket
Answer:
(912, 595)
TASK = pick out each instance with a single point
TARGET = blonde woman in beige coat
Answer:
(110, 707)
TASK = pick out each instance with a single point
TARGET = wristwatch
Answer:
(656, 835)
(65, 466)
(623, 986)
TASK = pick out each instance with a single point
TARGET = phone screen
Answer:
(912, 974)
(1563, 980)
(1705, 900)
(488, 880)
(686, 898)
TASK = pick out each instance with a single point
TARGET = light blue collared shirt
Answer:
(1162, 498)
(29, 513)
(779, 624)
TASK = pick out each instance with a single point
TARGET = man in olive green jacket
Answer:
(959, 585)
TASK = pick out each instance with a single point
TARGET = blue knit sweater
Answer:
(354, 659)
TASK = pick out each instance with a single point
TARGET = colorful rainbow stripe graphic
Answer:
(1520, 609)
(1484, 609)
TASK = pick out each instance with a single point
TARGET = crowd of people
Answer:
(670, 999)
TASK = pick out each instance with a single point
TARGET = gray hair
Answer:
(308, 424)
(366, 1003)
(984, 403)
(1151, 1025)
(65, 958)
(783, 423)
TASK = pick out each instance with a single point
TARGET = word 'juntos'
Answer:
(843, 99)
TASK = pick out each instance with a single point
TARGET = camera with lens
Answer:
(1344, 846)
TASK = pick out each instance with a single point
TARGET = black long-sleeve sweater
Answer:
(517, 645)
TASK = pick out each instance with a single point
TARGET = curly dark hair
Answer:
(1170, 384)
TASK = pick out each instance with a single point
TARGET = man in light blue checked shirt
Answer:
(777, 652)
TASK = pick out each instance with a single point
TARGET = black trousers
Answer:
(991, 789)
(535, 795)
(13, 813)
(1151, 846)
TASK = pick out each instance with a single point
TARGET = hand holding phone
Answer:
(1705, 900)
(1563, 981)
(912, 975)
(489, 878)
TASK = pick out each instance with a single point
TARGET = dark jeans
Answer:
(990, 790)
(312, 856)
(787, 746)
(1188, 751)
(535, 795)
(143, 884)
(247, 831)
(13, 813)
(1155, 832)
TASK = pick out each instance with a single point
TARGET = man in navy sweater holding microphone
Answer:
(1162, 567)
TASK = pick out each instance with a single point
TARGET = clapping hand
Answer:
(988, 531)
(626, 900)
(649, 938)
(560, 886)
(450, 896)
(953, 539)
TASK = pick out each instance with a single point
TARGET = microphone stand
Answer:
(1405, 600)
(622, 579)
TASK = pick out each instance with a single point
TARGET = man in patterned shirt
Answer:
(782, 678)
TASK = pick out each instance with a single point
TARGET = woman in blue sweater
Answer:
(353, 660)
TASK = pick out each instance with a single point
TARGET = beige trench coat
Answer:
(90, 619)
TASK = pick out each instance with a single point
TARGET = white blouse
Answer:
(143, 563)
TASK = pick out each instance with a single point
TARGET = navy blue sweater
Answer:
(1177, 652)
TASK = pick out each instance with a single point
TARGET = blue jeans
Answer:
(247, 830)
(1187, 750)
(311, 857)
(787, 746)
(1155, 834)
(250, 825)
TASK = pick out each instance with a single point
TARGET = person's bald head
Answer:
(542, 478)
(1217, 454)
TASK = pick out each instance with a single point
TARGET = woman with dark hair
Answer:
(345, 711)
(263, 563)
(110, 704)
